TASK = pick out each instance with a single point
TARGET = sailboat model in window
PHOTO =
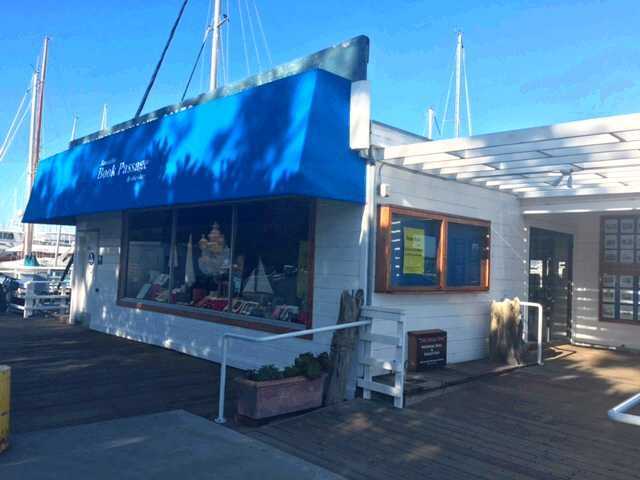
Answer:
(258, 281)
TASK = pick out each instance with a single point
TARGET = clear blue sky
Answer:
(529, 62)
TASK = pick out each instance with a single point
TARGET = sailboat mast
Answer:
(27, 239)
(459, 48)
(37, 101)
(215, 25)
(43, 76)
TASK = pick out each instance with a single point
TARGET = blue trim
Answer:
(288, 137)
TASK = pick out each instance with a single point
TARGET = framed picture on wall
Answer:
(626, 281)
(611, 256)
(611, 225)
(627, 225)
(627, 256)
(626, 296)
(611, 241)
(608, 310)
(609, 280)
(608, 295)
(626, 313)
(626, 241)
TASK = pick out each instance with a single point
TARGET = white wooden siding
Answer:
(465, 316)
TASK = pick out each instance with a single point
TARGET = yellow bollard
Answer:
(5, 404)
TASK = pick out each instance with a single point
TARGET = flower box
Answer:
(258, 400)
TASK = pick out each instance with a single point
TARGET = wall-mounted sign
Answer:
(91, 258)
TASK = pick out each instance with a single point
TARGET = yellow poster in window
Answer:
(413, 261)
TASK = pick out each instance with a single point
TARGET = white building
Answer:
(247, 211)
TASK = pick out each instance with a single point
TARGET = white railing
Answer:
(619, 412)
(540, 324)
(367, 383)
(368, 362)
(44, 299)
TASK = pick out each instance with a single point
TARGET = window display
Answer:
(149, 239)
(620, 268)
(251, 259)
(419, 250)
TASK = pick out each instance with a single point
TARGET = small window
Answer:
(414, 255)
(466, 251)
(424, 251)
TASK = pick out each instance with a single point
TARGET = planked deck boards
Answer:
(68, 375)
(535, 423)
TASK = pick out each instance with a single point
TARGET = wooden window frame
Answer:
(383, 251)
(225, 318)
(616, 268)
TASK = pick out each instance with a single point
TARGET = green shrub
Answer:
(305, 364)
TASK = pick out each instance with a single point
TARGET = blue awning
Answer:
(285, 138)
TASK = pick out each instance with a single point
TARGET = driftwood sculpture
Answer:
(343, 347)
(505, 339)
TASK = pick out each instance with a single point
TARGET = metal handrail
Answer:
(268, 338)
(619, 412)
(539, 307)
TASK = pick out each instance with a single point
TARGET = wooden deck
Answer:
(533, 423)
(68, 375)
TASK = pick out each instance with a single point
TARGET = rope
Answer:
(9, 139)
(466, 91)
(264, 37)
(244, 40)
(164, 52)
(13, 124)
(253, 36)
(195, 64)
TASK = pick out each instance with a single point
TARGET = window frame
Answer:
(227, 318)
(617, 268)
(383, 251)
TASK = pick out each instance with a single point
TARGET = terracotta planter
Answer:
(259, 400)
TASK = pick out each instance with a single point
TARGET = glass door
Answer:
(550, 281)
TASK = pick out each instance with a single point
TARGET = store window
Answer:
(620, 269)
(424, 251)
(148, 252)
(250, 260)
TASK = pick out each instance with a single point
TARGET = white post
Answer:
(55, 260)
(74, 128)
(458, 78)
(103, 121)
(430, 117)
(215, 25)
(223, 382)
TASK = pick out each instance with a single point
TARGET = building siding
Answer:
(465, 316)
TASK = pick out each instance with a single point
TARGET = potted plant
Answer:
(270, 391)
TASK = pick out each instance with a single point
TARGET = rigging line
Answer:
(226, 42)
(164, 52)
(195, 64)
(466, 92)
(264, 37)
(223, 61)
(13, 122)
(207, 26)
(446, 102)
(244, 39)
(253, 36)
(3, 154)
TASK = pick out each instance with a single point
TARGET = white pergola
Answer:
(599, 156)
